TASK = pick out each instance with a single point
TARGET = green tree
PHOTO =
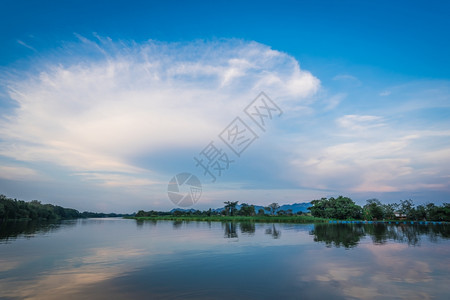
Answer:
(176, 213)
(406, 208)
(318, 207)
(281, 212)
(261, 212)
(420, 213)
(345, 208)
(230, 207)
(247, 210)
(141, 213)
(438, 213)
(373, 210)
(335, 208)
(273, 207)
(389, 210)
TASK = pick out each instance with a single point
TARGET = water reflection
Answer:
(230, 230)
(12, 230)
(338, 235)
(248, 228)
(177, 224)
(127, 259)
(333, 235)
(349, 235)
(273, 232)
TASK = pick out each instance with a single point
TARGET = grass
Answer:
(303, 219)
(259, 219)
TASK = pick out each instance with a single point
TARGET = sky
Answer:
(103, 103)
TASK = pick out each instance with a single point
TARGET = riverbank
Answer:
(280, 219)
(259, 219)
(389, 222)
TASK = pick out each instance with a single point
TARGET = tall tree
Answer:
(407, 208)
(247, 210)
(230, 207)
(389, 210)
(373, 210)
(273, 207)
(335, 208)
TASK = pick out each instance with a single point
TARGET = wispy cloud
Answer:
(359, 122)
(348, 79)
(345, 77)
(370, 156)
(26, 45)
(333, 101)
(104, 106)
(117, 116)
(19, 173)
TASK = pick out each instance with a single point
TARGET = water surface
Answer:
(123, 259)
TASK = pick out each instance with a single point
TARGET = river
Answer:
(124, 259)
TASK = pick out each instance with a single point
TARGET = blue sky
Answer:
(102, 102)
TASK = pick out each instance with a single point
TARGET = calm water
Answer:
(123, 259)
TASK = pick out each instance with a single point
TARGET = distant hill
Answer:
(296, 207)
(183, 210)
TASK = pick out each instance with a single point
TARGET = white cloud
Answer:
(345, 77)
(19, 173)
(383, 161)
(98, 109)
(359, 122)
(333, 101)
(119, 180)
(26, 45)
(93, 115)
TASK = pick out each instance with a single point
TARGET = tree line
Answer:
(343, 208)
(231, 208)
(13, 209)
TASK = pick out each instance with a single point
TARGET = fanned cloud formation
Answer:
(113, 121)
(99, 104)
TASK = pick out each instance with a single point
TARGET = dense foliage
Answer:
(341, 208)
(344, 208)
(13, 209)
(336, 208)
(230, 209)
(18, 209)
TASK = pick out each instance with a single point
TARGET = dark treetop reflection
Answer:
(11, 230)
(349, 235)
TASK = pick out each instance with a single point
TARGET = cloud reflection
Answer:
(72, 276)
